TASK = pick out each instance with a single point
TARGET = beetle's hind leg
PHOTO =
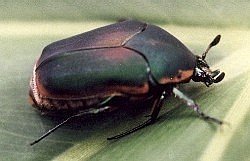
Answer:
(102, 107)
(195, 107)
(153, 116)
(80, 114)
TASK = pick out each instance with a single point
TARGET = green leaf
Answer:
(195, 12)
(177, 135)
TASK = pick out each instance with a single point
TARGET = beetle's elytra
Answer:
(129, 60)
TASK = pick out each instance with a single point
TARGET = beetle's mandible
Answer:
(129, 60)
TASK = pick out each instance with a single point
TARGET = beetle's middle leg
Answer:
(153, 116)
(195, 107)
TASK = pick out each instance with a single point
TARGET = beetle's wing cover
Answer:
(87, 73)
(93, 63)
(108, 36)
(166, 55)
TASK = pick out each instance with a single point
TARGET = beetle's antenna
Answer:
(90, 111)
(213, 43)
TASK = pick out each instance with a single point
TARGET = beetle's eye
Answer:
(201, 63)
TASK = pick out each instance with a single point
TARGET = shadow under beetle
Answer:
(129, 60)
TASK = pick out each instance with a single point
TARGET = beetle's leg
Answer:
(102, 107)
(195, 107)
(153, 116)
(81, 113)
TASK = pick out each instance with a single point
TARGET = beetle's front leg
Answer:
(195, 107)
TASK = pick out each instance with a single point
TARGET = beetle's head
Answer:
(202, 71)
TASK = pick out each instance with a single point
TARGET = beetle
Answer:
(128, 61)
